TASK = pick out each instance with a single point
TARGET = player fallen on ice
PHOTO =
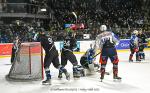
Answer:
(69, 44)
(87, 60)
(134, 46)
(106, 42)
(51, 56)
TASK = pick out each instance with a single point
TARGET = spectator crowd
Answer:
(121, 17)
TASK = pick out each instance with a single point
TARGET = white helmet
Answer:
(103, 28)
(135, 32)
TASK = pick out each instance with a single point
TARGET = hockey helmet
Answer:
(135, 32)
(103, 28)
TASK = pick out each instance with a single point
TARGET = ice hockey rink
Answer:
(135, 79)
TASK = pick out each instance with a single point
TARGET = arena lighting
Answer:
(43, 9)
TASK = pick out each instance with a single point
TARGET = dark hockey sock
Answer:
(62, 70)
(142, 55)
(131, 56)
(48, 75)
(115, 70)
(102, 71)
(137, 56)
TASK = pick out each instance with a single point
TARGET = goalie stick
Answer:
(96, 55)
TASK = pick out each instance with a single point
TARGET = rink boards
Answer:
(119, 51)
(82, 46)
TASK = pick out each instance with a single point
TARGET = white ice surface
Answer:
(135, 79)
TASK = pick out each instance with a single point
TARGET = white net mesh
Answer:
(28, 63)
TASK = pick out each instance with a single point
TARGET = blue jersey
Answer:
(89, 55)
(134, 41)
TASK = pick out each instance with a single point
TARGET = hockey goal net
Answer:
(28, 64)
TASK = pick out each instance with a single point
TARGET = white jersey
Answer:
(104, 37)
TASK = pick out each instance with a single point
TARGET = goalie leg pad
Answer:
(83, 62)
(76, 71)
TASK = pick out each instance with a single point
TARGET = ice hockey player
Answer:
(87, 60)
(142, 43)
(15, 48)
(106, 42)
(51, 56)
(69, 44)
(134, 46)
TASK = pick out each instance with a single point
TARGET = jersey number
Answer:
(107, 38)
(66, 43)
(50, 40)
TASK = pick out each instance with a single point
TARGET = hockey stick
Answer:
(96, 55)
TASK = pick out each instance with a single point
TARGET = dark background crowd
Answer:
(120, 16)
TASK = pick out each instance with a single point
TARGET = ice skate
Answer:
(115, 74)
(130, 60)
(138, 60)
(46, 82)
(101, 78)
(117, 78)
